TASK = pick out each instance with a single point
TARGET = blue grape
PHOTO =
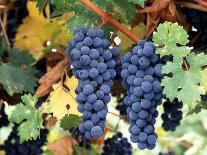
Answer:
(93, 73)
(96, 131)
(141, 75)
(172, 115)
(79, 36)
(142, 137)
(97, 42)
(117, 145)
(148, 50)
(93, 54)
(85, 50)
(94, 65)
(146, 86)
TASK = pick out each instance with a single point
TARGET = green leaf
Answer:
(187, 86)
(168, 37)
(198, 108)
(71, 121)
(28, 118)
(3, 48)
(17, 76)
(123, 11)
(48, 152)
(139, 2)
(41, 4)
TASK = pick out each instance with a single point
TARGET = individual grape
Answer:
(94, 65)
(172, 115)
(117, 145)
(141, 75)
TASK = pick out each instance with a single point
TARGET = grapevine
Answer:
(103, 77)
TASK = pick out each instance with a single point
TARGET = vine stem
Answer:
(5, 35)
(106, 17)
(119, 116)
(191, 5)
(202, 3)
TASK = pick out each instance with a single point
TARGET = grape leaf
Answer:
(17, 75)
(139, 2)
(3, 48)
(170, 39)
(198, 108)
(63, 102)
(28, 118)
(36, 30)
(70, 121)
(41, 4)
(123, 11)
(187, 86)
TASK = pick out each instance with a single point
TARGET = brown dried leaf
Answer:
(162, 10)
(63, 146)
(50, 78)
(1, 103)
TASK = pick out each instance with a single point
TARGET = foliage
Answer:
(167, 42)
(62, 102)
(70, 121)
(139, 2)
(36, 30)
(28, 118)
(121, 10)
(17, 75)
(48, 27)
(180, 82)
(41, 4)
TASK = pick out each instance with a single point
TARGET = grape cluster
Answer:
(141, 74)
(94, 66)
(3, 117)
(12, 145)
(172, 115)
(79, 137)
(167, 153)
(117, 145)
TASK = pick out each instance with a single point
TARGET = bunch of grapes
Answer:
(172, 115)
(94, 66)
(79, 137)
(12, 145)
(117, 145)
(3, 117)
(141, 74)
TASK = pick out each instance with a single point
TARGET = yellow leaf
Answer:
(160, 132)
(36, 30)
(60, 99)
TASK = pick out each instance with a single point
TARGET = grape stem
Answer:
(109, 19)
(191, 5)
(103, 24)
(5, 35)
(185, 64)
(120, 117)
